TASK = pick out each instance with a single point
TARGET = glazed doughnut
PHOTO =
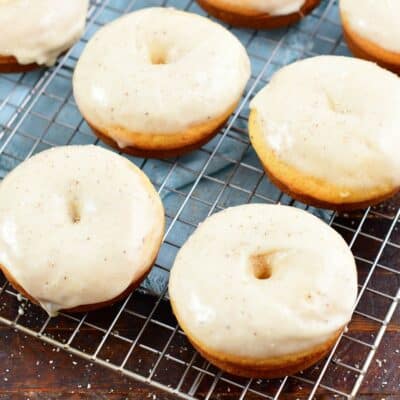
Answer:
(148, 90)
(372, 30)
(36, 32)
(327, 131)
(256, 289)
(80, 227)
(259, 14)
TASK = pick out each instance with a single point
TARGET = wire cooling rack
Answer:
(139, 336)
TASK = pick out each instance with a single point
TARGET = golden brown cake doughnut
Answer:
(255, 289)
(80, 227)
(259, 14)
(327, 135)
(35, 33)
(166, 90)
(372, 30)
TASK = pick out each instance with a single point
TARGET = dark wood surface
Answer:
(35, 370)
(32, 369)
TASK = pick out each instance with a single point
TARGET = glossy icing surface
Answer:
(38, 31)
(375, 20)
(220, 296)
(336, 119)
(78, 225)
(273, 7)
(140, 73)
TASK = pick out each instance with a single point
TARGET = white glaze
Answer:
(63, 264)
(309, 296)
(334, 118)
(38, 31)
(116, 85)
(375, 20)
(272, 7)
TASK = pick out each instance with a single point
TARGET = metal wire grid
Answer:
(37, 111)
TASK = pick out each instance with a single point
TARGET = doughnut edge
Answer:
(305, 194)
(10, 65)
(175, 144)
(257, 20)
(365, 49)
(269, 368)
(84, 307)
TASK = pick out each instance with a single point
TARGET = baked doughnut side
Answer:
(162, 146)
(9, 64)
(275, 367)
(84, 307)
(367, 50)
(246, 18)
(308, 189)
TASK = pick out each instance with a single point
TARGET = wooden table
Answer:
(32, 369)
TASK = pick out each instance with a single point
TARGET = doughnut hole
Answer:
(163, 49)
(335, 105)
(158, 56)
(158, 53)
(260, 266)
(73, 204)
(74, 210)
